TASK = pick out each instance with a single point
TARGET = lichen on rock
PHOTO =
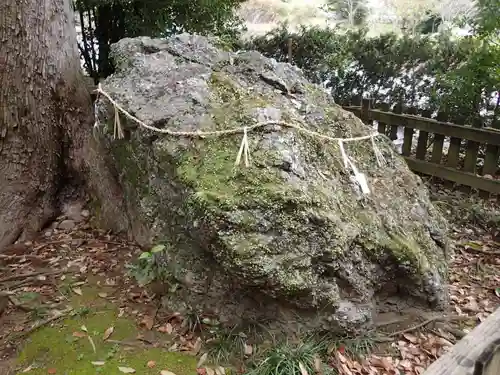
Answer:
(291, 238)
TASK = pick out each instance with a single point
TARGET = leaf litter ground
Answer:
(68, 306)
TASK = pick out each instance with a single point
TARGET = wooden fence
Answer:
(479, 144)
(478, 353)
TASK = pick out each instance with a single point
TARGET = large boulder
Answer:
(291, 238)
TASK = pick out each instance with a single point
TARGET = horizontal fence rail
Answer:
(477, 166)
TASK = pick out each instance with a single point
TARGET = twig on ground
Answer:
(389, 322)
(480, 251)
(19, 305)
(439, 334)
(428, 321)
(138, 344)
(29, 275)
(56, 316)
(23, 283)
(119, 244)
(4, 256)
(40, 247)
(458, 333)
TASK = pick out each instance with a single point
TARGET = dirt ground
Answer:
(69, 306)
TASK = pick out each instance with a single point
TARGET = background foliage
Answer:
(428, 70)
(104, 22)
(432, 72)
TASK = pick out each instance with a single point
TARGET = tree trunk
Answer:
(44, 113)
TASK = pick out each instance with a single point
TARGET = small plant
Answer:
(227, 345)
(352, 346)
(193, 320)
(81, 312)
(28, 297)
(148, 267)
(39, 312)
(292, 359)
(111, 353)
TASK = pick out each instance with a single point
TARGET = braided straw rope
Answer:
(244, 149)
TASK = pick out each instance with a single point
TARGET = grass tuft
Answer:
(292, 359)
(355, 347)
(227, 346)
(193, 321)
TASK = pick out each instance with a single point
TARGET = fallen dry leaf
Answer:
(166, 372)
(345, 369)
(151, 364)
(28, 369)
(162, 329)
(92, 343)
(248, 350)
(126, 370)
(77, 291)
(220, 370)
(317, 364)
(197, 346)
(202, 360)
(102, 295)
(201, 371)
(411, 338)
(383, 362)
(303, 370)
(341, 357)
(79, 334)
(98, 363)
(84, 329)
(210, 371)
(147, 322)
(108, 333)
(52, 371)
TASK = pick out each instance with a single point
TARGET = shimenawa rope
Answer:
(244, 148)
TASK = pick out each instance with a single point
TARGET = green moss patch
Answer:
(65, 349)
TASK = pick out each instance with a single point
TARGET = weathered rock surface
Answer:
(289, 239)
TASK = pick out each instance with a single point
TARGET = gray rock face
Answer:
(290, 239)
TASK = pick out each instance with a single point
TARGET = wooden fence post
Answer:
(491, 160)
(471, 153)
(290, 45)
(393, 132)
(356, 101)
(472, 150)
(408, 136)
(438, 142)
(365, 111)
(496, 123)
(490, 167)
(382, 127)
(454, 151)
(423, 138)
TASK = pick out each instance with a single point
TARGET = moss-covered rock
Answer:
(291, 238)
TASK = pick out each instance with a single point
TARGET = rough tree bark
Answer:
(45, 111)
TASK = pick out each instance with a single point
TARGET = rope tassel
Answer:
(243, 151)
(359, 177)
